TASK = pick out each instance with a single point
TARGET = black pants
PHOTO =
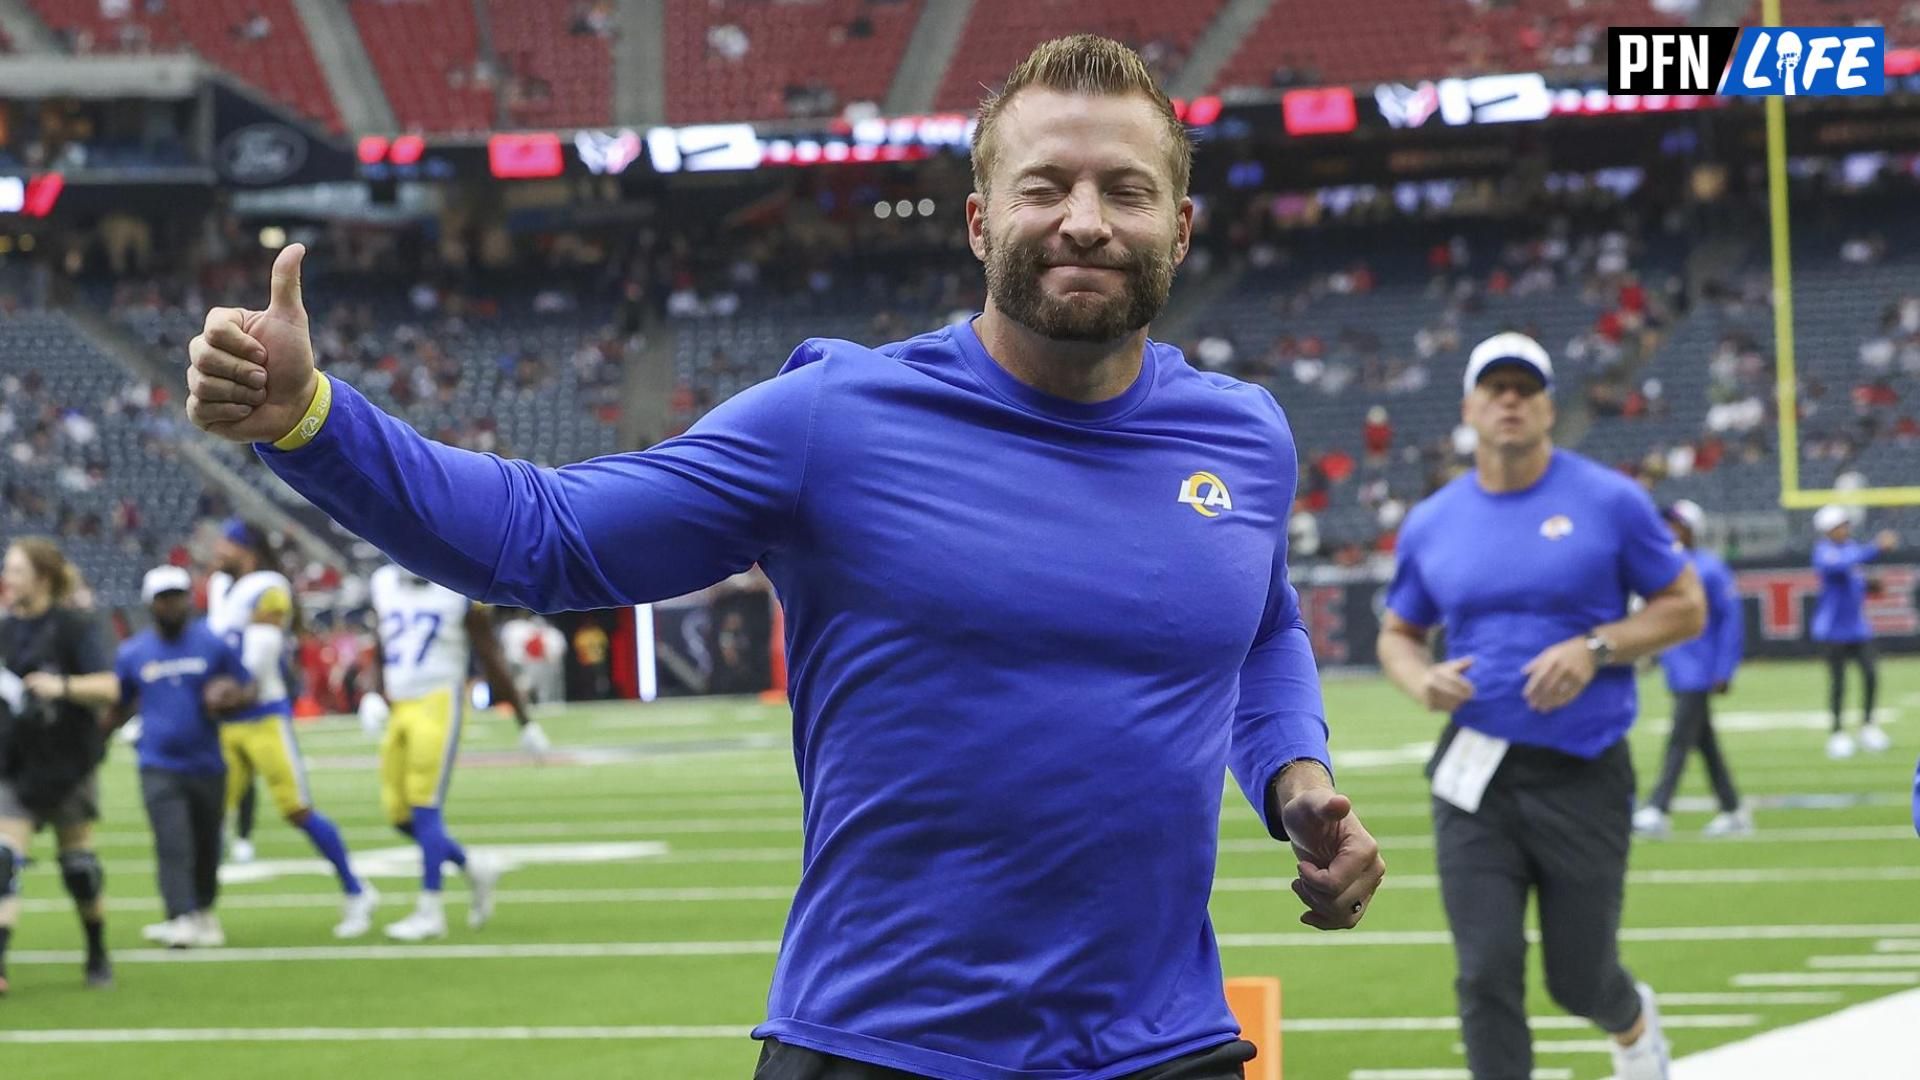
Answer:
(1862, 653)
(185, 810)
(782, 1061)
(1693, 727)
(1559, 827)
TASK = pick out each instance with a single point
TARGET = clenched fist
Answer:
(251, 375)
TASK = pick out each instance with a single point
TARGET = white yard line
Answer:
(1754, 997)
(1897, 945)
(1828, 978)
(1539, 1023)
(1445, 1074)
(1909, 961)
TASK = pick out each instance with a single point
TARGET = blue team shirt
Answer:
(1841, 612)
(167, 679)
(1710, 659)
(1510, 574)
(1027, 637)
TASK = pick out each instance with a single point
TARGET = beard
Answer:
(1014, 270)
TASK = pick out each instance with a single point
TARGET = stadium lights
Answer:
(903, 208)
(273, 238)
(883, 210)
(926, 208)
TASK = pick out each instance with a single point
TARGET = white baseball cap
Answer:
(164, 579)
(1688, 513)
(1501, 350)
(1830, 518)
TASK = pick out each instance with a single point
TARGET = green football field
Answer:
(654, 860)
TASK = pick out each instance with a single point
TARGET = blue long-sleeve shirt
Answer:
(1841, 612)
(1707, 661)
(1026, 637)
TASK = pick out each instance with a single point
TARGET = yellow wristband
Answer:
(310, 424)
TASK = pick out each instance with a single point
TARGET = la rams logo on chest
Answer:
(1206, 493)
(1557, 527)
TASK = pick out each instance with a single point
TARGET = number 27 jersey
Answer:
(423, 633)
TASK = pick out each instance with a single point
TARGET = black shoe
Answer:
(100, 974)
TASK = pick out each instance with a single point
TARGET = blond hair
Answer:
(49, 565)
(1084, 64)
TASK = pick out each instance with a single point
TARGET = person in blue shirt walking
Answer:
(1840, 622)
(177, 674)
(1035, 574)
(1527, 563)
(1696, 670)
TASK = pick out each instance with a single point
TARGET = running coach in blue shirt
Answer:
(1527, 563)
(1035, 574)
(174, 673)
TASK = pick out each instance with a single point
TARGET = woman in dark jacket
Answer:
(57, 679)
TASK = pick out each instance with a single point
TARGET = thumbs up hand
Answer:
(251, 376)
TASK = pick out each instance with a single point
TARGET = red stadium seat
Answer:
(281, 64)
(420, 51)
(850, 47)
(568, 76)
(1416, 39)
(1002, 32)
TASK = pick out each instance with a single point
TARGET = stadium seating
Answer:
(88, 29)
(1002, 32)
(1412, 39)
(126, 458)
(280, 62)
(852, 47)
(563, 414)
(567, 76)
(421, 50)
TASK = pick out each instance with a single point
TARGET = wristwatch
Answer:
(1600, 649)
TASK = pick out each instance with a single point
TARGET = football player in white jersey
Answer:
(251, 604)
(428, 634)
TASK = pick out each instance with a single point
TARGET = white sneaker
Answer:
(1647, 1058)
(1730, 823)
(241, 851)
(1651, 822)
(206, 932)
(1839, 746)
(173, 934)
(356, 913)
(424, 923)
(1874, 739)
(483, 877)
